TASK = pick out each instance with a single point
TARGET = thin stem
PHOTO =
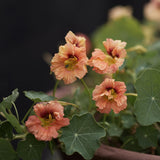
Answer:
(131, 94)
(1, 122)
(26, 115)
(15, 108)
(138, 48)
(112, 117)
(90, 98)
(51, 147)
(130, 139)
(55, 87)
(157, 126)
(9, 111)
(67, 103)
(104, 118)
(2, 114)
(20, 136)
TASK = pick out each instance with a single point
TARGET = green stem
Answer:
(3, 122)
(130, 139)
(26, 115)
(20, 136)
(55, 87)
(51, 147)
(104, 118)
(157, 126)
(131, 94)
(67, 103)
(90, 98)
(112, 117)
(15, 108)
(2, 114)
(138, 48)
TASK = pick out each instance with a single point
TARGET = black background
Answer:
(30, 28)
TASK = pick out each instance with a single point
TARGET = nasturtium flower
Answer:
(119, 12)
(47, 121)
(111, 61)
(110, 95)
(152, 11)
(70, 63)
(78, 41)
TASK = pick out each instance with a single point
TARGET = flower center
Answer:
(110, 60)
(111, 54)
(47, 120)
(112, 94)
(70, 62)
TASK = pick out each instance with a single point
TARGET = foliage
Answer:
(82, 136)
(135, 128)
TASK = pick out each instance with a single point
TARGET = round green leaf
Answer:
(147, 136)
(147, 105)
(131, 143)
(127, 120)
(37, 96)
(6, 151)
(122, 29)
(114, 130)
(30, 149)
(82, 136)
(155, 47)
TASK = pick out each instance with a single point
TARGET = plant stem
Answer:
(28, 112)
(138, 48)
(131, 94)
(67, 103)
(3, 122)
(15, 108)
(2, 114)
(51, 147)
(55, 87)
(130, 139)
(87, 89)
(20, 136)
(157, 126)
(104, 118)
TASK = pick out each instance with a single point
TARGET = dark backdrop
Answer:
(30, 28)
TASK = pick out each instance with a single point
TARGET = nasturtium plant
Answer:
(30, 149)
(147, 105)
(114, 130)
(127, 120)
(8, 101)
(117, 103)
(6, 150)
(131, 143)
(155, 47)
(6, 130)
(82, 136)
(5, 107)
(147, 136)
(38, 96)
(123, 29)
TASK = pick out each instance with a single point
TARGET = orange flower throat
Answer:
(112, 94)
(110, 60)
(47, 120)
(70, 62)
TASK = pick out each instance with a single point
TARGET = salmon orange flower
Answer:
(110, 95)
(119, 12)
(152, 11)
(47, 121)
(108, 63)
(69, 63)
(78, 41)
